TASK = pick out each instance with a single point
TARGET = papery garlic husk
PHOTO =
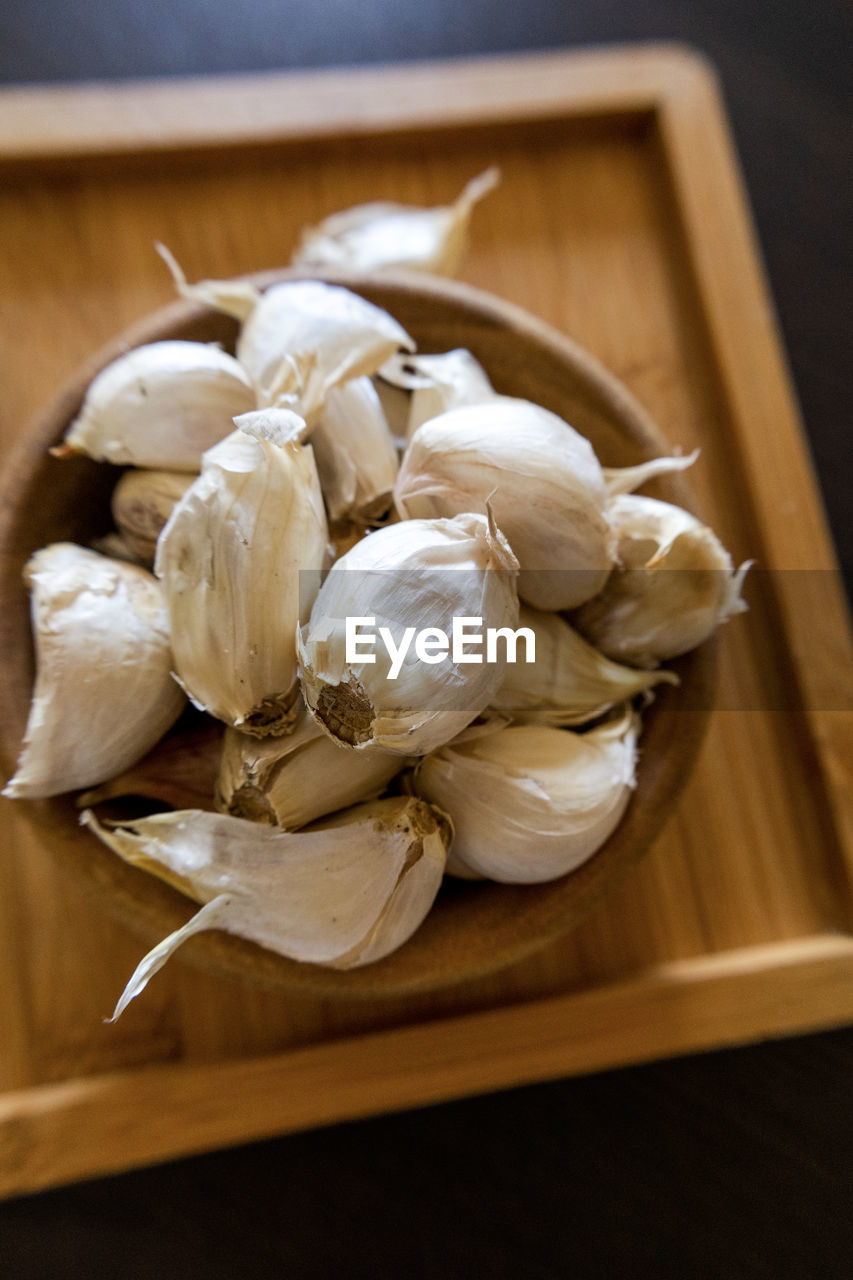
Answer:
(310, 336)
(415, 574)
(104, 693)
(570, 682)
(438, 383)
(530, 803)
(242, 551)
(675, 585)
(161, 405)
(343, 894)
(355, 453)
(292, 781)
(545, 484)
(141, 504)
(235, 297)
(627, 479)
(382, 234)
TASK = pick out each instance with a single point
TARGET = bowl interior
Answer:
(474, 928)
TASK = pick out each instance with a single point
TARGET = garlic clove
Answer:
(161, 405)
(293, 781)
(355, 453)
(395, 402)
(141, 504)
(545, 484)
(104, 694)
(240, 555)
(382, 234)
(409, 576)
(437, 383)
(344, 893)
(571, 681)
(674, 586)
(530, 803)
(320, 334)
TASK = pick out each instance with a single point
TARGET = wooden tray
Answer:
(620, 220)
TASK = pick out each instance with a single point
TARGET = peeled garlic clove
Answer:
(343, 894)
(675, 585)
(530, 803)
(381, 234)
(356, 458)
(295, 780)
(141, 504)
(544, 482)
(242, 550)
(161, 405)
(324, 334)
(570, 682)
(627, 479)
(408, 577)
(104, 693)
(438, 383)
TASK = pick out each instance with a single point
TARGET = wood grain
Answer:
(59, 124)
(620, 221)
(66, 1131)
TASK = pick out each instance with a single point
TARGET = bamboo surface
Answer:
(620, 220)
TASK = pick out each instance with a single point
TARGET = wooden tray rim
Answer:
(83, 1127)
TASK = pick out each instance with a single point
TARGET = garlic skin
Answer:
(292, 781)
(104, 694)
(234, 297)
(343, 894)
(543, 479)
(141, 504)
(530, 803)
(382, 234)
(438, 383)
(674, 586)
(570, 682)
(355, 453)
(242, 550)
(627, 479)
(161, 405)
(305, 336)
(414, 574)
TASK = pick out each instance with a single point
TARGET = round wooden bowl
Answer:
(473, 928)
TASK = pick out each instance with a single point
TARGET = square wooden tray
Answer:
(621, 220)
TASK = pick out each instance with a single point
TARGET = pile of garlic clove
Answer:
(329, 471)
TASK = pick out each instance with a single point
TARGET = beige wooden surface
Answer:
(619, 220)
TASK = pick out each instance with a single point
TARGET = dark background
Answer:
(732, 1164)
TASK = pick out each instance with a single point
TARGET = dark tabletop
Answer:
(731, 1164)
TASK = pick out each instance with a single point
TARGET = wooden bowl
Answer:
(474, 928)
